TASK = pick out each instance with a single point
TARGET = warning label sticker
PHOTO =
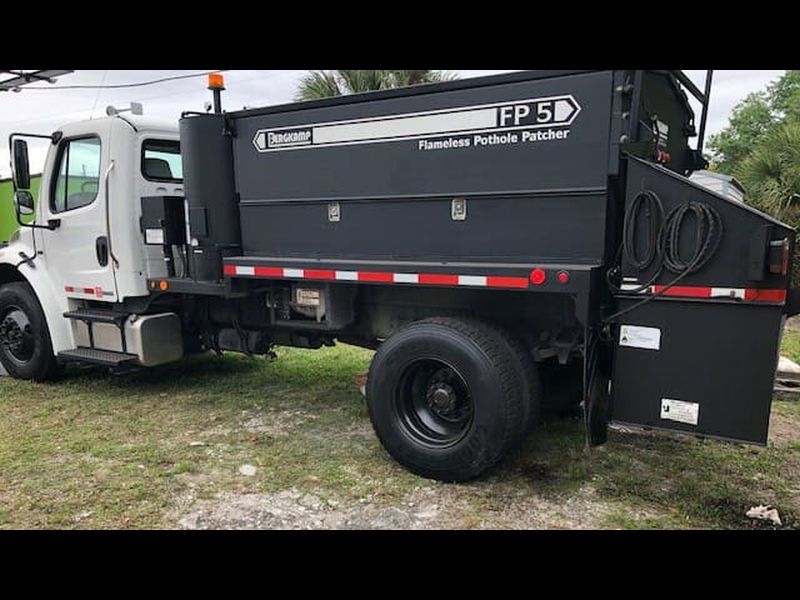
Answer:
(680, 411)
(635, 336)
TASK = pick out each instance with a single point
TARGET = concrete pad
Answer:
(788, 367)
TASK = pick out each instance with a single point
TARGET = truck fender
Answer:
(54, 304)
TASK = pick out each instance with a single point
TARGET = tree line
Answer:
(761, 148)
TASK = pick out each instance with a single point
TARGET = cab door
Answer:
(78, 252)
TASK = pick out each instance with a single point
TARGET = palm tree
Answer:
(324, 84)
(771, 174)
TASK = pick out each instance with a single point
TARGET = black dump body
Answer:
(506, 182)
(531, 153)
(396, 193)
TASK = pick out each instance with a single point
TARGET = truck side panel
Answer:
(394, 169)
(525, 228)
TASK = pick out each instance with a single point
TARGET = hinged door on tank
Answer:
(696, 351)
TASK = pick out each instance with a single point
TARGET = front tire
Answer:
(26, 351)
(445, 399)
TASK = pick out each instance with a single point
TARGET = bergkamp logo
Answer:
(287, 138)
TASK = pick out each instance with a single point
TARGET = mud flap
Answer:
(595, 385)
(793, 302)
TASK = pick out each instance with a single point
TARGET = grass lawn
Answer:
(140, 451)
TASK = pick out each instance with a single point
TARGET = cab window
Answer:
(161, 161)
(78, 180)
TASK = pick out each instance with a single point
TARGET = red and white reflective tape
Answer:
(97, 292)
(492, 281)
(685, 291)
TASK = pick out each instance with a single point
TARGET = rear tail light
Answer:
(779, 256)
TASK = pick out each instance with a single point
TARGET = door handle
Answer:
(101, 247)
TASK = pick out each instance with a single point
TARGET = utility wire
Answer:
(58, 116)
(117, 86)
(99, 90)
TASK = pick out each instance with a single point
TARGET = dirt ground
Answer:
(232, 443)
(434, 505)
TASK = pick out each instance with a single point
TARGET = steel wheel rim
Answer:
(433, 403)
(16, 335)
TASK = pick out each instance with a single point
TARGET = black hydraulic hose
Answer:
(651, 204)
(708, 236)
(708, 225)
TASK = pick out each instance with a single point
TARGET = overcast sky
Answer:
(35, 111)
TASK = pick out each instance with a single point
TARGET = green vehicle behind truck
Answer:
(8, 221)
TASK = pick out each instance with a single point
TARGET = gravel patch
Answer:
(436, 507)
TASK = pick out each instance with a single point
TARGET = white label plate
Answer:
(306, 297)
(635, 336)
(680, 411)
(154, 236)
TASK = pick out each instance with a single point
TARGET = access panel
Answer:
(697, 366)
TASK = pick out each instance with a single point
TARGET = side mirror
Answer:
(22, 171)
(24, 201)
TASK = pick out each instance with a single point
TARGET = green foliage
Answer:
(753, 119)
(771, 172)
(761, 148)
(785, 94)
(324, 84)
(750, 121)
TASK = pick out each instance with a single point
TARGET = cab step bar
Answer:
(90, 316)
(106, 358)
(97, 315)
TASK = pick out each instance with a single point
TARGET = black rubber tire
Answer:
(42, 365)
(485, 362)
(532, 385)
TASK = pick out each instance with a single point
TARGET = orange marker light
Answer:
(163, 286)
(216, 81)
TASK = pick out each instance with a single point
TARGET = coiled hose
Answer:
(663, 242)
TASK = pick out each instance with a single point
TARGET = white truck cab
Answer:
(86, 248)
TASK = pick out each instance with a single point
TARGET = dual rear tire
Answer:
(449, 397)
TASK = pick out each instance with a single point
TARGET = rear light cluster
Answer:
(539, 277)
(779, 255)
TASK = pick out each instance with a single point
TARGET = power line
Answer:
(59, 116)
(99, 90)
(230, 84)
(117, 86)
